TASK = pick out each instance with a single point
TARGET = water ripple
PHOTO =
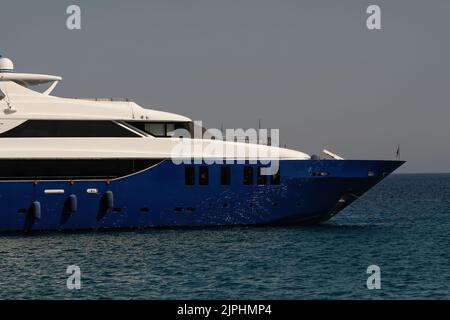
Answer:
(407, 236)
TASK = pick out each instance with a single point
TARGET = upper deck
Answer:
(28, 113)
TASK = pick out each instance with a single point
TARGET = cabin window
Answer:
(68, 169)
(160, 129)
(189, 175)
(155, 129)
(170, 129)
(225, 175)
(248, 175)
(69, 129)
(203, 175)
(262, 179)
(320, 174)
(276, 178)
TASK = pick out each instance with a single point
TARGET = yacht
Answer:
(81, 164)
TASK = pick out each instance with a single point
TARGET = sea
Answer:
(393, 243)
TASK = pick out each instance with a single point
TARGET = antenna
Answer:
(397, 153)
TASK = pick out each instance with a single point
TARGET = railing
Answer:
(106, 99)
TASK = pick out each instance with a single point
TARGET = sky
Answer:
(311, 69)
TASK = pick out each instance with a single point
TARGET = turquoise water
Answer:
(402, 225)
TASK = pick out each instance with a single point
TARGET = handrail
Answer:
(106, 99)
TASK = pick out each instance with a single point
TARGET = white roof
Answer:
(24, 103)
(28, 79)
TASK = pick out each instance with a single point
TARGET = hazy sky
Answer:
(310, 68)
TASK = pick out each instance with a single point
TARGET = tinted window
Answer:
(155, 129)
(225, 175)
(203, 175)
(68, 129)
(276, 178)
(262, 179)
(62, 169)
(160, 129)
(248, 175)
(170, 129)
(189, 175)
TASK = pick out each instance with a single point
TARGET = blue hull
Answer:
(158, 197)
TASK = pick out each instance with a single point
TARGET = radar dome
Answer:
(6, 65)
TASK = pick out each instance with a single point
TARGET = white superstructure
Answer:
(19, 105)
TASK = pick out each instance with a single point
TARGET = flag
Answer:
(398, 151)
